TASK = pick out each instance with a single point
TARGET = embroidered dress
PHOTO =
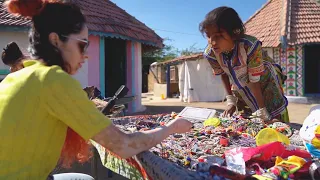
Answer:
(246, 64)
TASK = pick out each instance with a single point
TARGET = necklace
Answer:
(231, 50)
(228, 54)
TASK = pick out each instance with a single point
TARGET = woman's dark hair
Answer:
(47, 17)
(11, 54)
(224, 18)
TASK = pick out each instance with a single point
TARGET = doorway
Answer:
(115, 65)
(312, 70)
(145, 82)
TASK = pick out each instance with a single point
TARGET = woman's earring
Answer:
(237, 31)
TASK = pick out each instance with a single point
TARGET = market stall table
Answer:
(180, 155)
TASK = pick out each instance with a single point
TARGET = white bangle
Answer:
(254, 79)
(263, 114)
(231, 100)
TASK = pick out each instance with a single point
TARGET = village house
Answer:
(290, 34)
(190, 78)
(116, 43)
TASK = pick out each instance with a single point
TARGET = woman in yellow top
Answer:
(44, 113)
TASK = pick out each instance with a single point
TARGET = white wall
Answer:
(197, 83)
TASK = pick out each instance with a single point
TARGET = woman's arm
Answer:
(255, 72)
(226, 83)
(262, 111)
(128, 145)
(217, 70)
(69, 104)
(257, 93)
(231, 100)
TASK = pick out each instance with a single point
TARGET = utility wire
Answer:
(176, 32)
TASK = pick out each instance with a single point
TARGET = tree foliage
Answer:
(191, 50)
(168, 52)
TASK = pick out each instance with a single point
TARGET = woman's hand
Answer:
(100, 104)
(179, 125)
(229, 110)
(263, 114)
(128, 145)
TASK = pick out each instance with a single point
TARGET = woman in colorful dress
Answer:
(238, 58)
(44, 113)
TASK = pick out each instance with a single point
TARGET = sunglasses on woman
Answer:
(82, 43)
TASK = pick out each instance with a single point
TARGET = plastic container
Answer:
(269, 135)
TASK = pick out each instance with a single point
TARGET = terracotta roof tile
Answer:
(302, 25)
(9, 19)
(102, 16)
(265, 24)
(305, 22)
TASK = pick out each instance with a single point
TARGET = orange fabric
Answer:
(135, 164)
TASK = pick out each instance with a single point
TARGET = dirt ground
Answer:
(297, 112)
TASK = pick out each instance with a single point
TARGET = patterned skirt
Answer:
(244, 108)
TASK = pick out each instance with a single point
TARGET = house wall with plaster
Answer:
(291, 61)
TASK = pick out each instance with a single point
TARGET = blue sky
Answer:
(183, 16)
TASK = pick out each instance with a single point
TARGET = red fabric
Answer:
(75, 148)
(302, 172)
(267, 151)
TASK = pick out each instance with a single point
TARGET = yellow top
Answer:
(37, 104)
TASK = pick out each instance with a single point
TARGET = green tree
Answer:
(168, 52)
(191, 50)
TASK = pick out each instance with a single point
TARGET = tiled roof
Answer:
(182, 58)
(103, 16)
(265, 24)
(298, 20)
(305, 22)
(11, 20)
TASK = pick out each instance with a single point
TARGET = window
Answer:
(174, 74)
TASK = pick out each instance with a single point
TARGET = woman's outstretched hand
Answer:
(229, 110)
(179, 125)
(128, 145)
